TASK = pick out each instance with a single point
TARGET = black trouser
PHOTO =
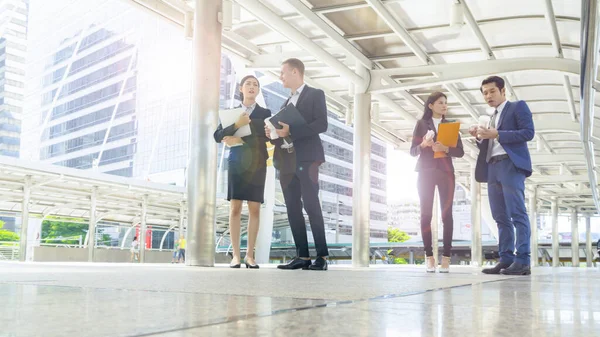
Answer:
(427, 181)
(300, 187)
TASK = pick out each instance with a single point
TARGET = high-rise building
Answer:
(110, 90)
(13, 50)
(405, 215)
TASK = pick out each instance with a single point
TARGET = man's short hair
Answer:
(295, 64)
(493, 79)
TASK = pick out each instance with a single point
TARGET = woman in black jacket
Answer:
(247, 169)
(435, 172)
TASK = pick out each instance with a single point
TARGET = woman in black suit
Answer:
(435, 172)
(247, 169)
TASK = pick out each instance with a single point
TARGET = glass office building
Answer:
(13, 50)
(109, 91)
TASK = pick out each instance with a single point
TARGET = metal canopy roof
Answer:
(412, 50)
(67, 192)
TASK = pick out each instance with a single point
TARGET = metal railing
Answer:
(9, 250)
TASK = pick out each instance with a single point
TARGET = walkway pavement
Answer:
(81, 299)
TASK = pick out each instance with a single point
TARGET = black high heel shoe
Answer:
(239, 265)
(251, 266)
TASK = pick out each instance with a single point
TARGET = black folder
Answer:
(288, 115)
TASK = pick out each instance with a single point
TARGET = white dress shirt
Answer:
(436, 123)
(296, 95)
(249, 109)
(497, 149)
(293, 100)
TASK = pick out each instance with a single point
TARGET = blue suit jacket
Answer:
(515, 129)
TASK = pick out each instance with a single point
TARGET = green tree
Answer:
(396, 235)
(7, 235)
(55, 228)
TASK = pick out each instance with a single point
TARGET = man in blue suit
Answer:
(504, 163)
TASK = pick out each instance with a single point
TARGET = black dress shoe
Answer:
(517, 269)
(319, 264)
(496, 269)
(239, 265)
(296, 263)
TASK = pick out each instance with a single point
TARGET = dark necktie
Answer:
(287, 142)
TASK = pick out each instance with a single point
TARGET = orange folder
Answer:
(447, 135)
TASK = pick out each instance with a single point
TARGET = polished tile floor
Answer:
(80, 299)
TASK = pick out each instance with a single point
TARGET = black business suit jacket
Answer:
(426, 160)
(308, 147)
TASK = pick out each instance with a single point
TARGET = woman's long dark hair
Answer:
(428, 113)
(244, 81)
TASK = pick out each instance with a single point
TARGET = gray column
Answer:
(202, 171)
(337, 218)
(574, 238)
(361, 200)
(262, 251)
(476, 246)
(435, 223)
(555, 242)
(533, 224)
(143, 229)
(24, 219)
(92, 225)
(181, 220)
(588, 242)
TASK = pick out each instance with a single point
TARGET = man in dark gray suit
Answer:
(298, 155)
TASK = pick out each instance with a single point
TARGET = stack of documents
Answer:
(229, 117)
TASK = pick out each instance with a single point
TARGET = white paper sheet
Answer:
(229, 117)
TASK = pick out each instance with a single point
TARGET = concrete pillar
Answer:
(337, 218)
(555, 241)
(476, 245)
(202, 171)
(24, 219)
(574, 238)
(143, 229)
(589, 256)
(265, 231)
(181, 220)
(533, 223)
(92, 225)
(361, 200)
(435, 224)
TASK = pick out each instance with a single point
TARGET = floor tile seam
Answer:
(233, 319)
(162, 291)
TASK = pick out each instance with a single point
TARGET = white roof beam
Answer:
(331, 33)
(551, 18)
(277, 24)
(457, 72)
